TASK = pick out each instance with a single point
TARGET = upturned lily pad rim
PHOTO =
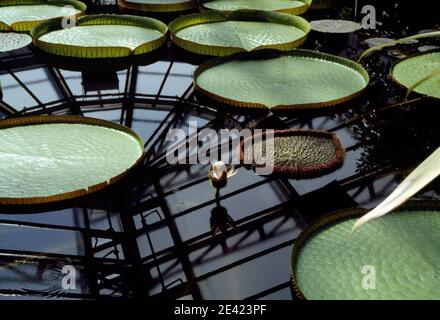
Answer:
(24, 26)
(41, 120)
(339, 216)
(268, 54)
(183, 5)
(240, 15)
(401, 85)
(294, 10)
(99, 52)
(304, 172)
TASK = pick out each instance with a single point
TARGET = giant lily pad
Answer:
(101, 36)
(22, 15)
(54, 158)
(395, 257)
(292, 80)
(158, 5)
(408, 72)
(10, 41)
(220, 34)
(287, 6)
(296, 153)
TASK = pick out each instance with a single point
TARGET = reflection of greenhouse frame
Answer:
(38, 120)
(294, 10)
(274, 54)
(182, 5)
(303, 172)
(244, 15)
(401, 85)
(334, 218)
(28, 25)
(99, 52)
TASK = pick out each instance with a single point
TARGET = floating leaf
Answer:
(298, 153)
(158, 5)
(293, 80)
(12, 41)
(287, 6)
(220, 34)
(432, 76)
(396, 257)
(101, 36)
(22, 15)
(374, 42)
(335, 26)
(419, 73)
(53, 158)
(427, 48)
(399, 41)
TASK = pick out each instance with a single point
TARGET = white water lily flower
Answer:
(219, 173)
(219, 170)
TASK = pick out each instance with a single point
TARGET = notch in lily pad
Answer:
(101, 36)
(301, 79)
(220, 34)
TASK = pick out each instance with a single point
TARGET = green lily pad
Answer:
(158, 5)
(411, 70)
(101, 36)
(12, 41)
(51, 158)
(373, 42)
(13, 14)
(288, 6)
(335, 26)
(218, 33)
(427, 48)
(294, 80)
(394, 257)
(241, 34)
(298, 153)
(22, 15)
